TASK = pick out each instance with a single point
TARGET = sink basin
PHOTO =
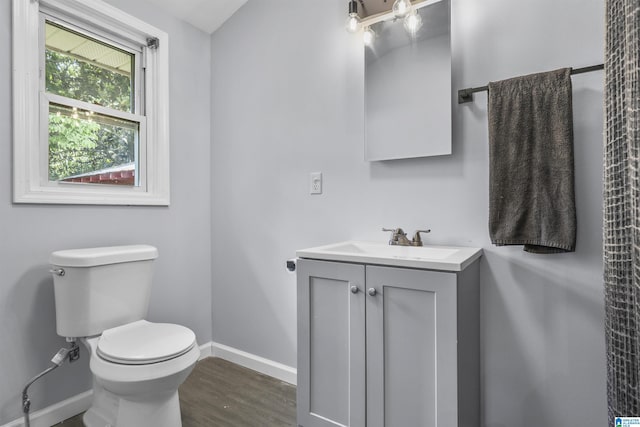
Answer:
(447, 258)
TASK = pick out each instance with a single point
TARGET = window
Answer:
(94, 80)
(89, 91)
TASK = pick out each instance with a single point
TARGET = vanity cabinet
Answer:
(387, 346)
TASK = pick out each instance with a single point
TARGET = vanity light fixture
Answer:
(401, 8)
(353, 21)
(368, 36)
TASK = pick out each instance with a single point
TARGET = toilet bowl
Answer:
(137, 385)
(101, 298)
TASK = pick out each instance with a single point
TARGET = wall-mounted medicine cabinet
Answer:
(408, 84)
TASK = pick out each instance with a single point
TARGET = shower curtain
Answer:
(621, 207)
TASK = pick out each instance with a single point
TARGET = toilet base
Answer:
(137, 395)
(157, 410)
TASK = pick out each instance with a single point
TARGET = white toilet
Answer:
(102, 296)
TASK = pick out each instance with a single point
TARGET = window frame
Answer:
(30, 103)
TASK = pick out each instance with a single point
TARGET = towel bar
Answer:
(466, 95)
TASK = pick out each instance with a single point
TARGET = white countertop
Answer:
(445, 258)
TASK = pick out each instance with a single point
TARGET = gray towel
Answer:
(531, 182)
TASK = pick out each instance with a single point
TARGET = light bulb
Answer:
(368, 36)
(401, 8)
(353, 22)
(412, 22)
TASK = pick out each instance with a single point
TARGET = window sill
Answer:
(91, 196)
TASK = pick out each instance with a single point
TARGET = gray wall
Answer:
(287, 100)
(28, 233)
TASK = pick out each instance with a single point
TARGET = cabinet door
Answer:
(331, 344)
(411, 348)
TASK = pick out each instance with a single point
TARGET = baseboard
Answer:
(81, 402)
(265, 366)
(205, 351)
(57, 413)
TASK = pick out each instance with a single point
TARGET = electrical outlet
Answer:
(315, 182)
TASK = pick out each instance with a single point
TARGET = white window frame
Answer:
(30, 143)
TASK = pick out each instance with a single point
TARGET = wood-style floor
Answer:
(222, 394)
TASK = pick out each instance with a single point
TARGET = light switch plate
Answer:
(315, 182)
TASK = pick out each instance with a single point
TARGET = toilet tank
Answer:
(101, 288)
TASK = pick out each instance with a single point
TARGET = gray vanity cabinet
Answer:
(386, 346)
(331, 344)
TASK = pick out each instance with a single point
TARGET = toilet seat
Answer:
(107, 372)
(144, 343)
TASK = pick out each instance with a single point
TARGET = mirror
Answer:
(408, 85)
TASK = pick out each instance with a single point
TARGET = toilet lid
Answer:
(142, 342)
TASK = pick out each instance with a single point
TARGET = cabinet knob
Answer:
(372, 292)
(354, 289)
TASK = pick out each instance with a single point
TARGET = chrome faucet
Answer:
(399, 237)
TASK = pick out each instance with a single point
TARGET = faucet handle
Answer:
(417, 241)
(395, 233)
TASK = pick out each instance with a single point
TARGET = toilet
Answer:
(101, 298)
